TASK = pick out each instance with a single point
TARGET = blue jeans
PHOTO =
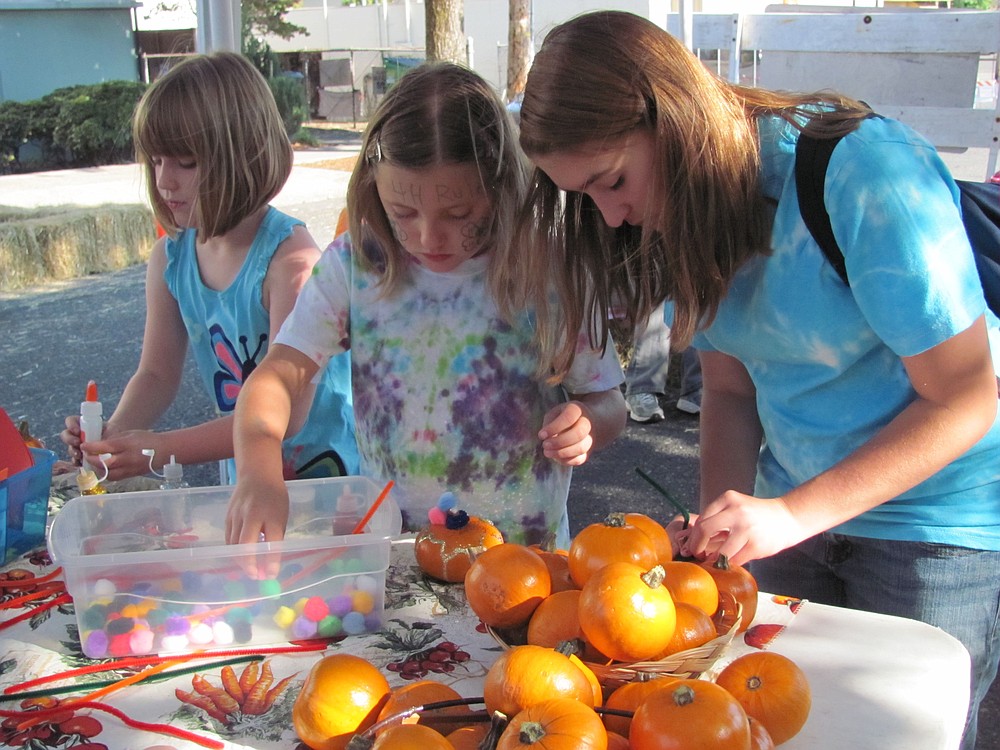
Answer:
(647, 368)
(954, 588)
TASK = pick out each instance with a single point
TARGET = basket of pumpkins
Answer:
(617, 597)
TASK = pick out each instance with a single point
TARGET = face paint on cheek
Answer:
(398, 232)
(473, 234)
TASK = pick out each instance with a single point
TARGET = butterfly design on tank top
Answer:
(233, 369)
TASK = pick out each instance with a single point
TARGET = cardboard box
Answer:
(150, 572)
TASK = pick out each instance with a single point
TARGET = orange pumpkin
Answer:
(555, 724)
(656, 532)
(617, 742)
(689, 582)
(690, 715)
(759, 738)
(591, 676)
(525, 675)
(341, 696)
(694, 628)
(505, 584)
(772, 689)
(626, 612)
(29, 440)
(628, 697)
(557, 561)
(420, 693)
(468, 738)
(612, 540)
(736, 587)
(556, 620)
(411, 737)
(446, 550)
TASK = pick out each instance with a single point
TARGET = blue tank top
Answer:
(228, 332)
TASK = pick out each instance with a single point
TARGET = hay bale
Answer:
(66, 242)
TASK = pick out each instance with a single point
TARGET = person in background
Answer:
(648, 367)
(849, 436)
(449, 392)
(214, 152)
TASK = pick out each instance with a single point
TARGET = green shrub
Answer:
(290, 95)
(75, 126)
(14, 119)
(95, 124)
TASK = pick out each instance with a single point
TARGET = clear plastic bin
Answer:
(24, 504)
(150, 572)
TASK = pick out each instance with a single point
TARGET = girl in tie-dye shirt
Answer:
(449, 392)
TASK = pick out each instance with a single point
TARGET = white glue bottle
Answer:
(91, 419)
(173, 472)
(175, 512)
(173, 476)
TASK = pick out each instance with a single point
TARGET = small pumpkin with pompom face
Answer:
(447, 546)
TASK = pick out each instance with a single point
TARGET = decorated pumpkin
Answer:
(447, 546)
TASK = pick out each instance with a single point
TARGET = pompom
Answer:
(447, 501)
(457, 519)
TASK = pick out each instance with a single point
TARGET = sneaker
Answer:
(690, 404)
(644, 407)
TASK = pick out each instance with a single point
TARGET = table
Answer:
(877, 681)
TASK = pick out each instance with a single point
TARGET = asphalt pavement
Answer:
(58, 336)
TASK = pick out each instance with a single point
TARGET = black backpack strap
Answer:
(981, 215)
(812, 156)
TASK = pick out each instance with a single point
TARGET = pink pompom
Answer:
(436, 516)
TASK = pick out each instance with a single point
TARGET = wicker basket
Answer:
(687, 664)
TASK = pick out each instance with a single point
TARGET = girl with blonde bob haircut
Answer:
(243, 161)
(214, 152)
(849, 433)
(445, 391)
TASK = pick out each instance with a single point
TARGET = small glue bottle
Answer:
(173, 476)
(91, 419)
(348, 512)
(175, 510)
(173, 472)
(87, 481)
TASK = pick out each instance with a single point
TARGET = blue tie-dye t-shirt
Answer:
(445, 397)
(825, 357)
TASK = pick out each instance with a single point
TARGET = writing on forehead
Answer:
(408, 190)
(454, 192)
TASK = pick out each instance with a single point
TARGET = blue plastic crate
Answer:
(24, 505)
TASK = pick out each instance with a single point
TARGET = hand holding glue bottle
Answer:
(91, 420)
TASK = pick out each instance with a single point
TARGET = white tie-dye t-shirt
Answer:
(445, 397)
(825, 357)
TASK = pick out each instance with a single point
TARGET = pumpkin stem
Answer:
(615, 519)
(670, 498)
(683, 695)
(360, 742)
(654, 576)
(571, 647)
(721, 562)
(548, 543)
(531, 732)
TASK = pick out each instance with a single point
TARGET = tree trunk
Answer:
(445, 28)
(518, 47)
